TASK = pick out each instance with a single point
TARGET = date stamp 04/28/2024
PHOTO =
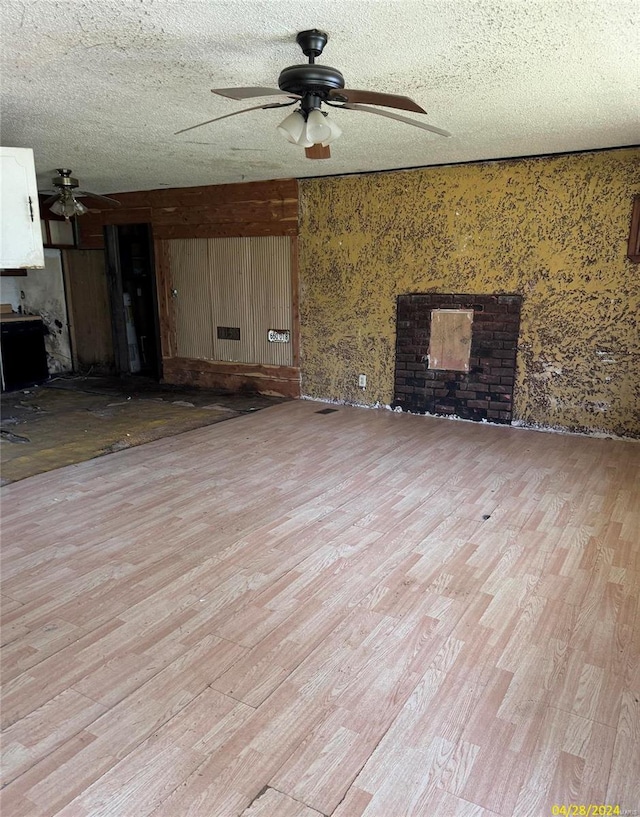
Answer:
(592, 810)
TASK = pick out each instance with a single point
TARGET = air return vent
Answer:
(228, 332)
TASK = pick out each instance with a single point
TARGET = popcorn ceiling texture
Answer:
(553, 230)
(101, 87)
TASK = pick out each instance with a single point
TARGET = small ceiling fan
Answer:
(310, 86)
(65, 200)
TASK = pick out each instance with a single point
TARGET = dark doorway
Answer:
(133, 296)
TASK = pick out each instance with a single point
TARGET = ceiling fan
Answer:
(65, 200)
(310, 86)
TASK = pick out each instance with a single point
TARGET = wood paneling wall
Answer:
(88, 309)
(191, 279)
(232, 282)
(251, 289)
(258, 208)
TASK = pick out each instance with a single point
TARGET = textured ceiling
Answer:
(101, 86)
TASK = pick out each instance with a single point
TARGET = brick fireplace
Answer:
(481, 387)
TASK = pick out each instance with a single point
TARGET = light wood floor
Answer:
(293, 614)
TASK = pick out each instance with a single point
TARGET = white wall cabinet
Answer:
(21, 235)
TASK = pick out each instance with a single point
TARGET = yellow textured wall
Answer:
(553, 229)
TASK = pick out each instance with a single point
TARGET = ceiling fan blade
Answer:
(103, 199)
(405, 119)
(50, 200)
(374, 98)
(249, 93)
(318, 152)
(235, 113)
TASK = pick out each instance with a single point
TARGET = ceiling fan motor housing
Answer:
(318, 80)
(311, 80)
(64, 179)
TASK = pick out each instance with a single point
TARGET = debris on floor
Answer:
(11, 437)
(72, 419)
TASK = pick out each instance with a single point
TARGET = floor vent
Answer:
(326, 411)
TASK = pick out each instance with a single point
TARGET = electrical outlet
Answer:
(362, 381)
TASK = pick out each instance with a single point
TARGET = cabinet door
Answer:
(20, 215)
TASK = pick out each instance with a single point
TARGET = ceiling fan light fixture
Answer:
(306, 131)
(68, 206)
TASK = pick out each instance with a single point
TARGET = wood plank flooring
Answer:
(356, 614)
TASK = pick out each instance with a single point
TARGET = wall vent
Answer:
(228, 332)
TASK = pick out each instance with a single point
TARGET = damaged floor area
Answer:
(73, 419)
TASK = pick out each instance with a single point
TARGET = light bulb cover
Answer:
(293, 127)
(335, 129)
(304, 141)
(67, 205)
(317, 128)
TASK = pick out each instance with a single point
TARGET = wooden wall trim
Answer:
(248, 369)
(282, 381)
(214, 211)
(128, 215)
(166, 310)
(295, 302)
(232, 230)
(633, 247)
(238, 192)
(267, 210)
(89, 231)
(69, 291)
